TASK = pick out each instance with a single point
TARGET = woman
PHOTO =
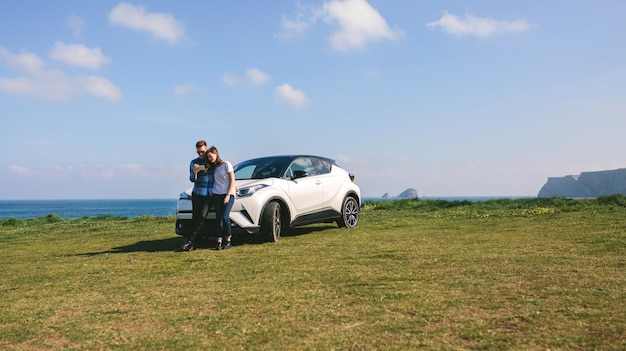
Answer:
(222, 187)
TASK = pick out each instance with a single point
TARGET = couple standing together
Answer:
(214, 185)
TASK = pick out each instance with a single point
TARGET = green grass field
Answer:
(528, 274)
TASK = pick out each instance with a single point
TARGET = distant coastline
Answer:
(451, 198)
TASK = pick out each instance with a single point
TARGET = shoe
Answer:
(188, 246)
(227, 246)
(219, 246)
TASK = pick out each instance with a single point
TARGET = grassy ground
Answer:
(532, 274)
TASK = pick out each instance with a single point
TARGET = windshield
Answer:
(260, 168)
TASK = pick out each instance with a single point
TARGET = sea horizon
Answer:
(24, 209)
(77, 208)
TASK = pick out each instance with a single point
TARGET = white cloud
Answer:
(78, 55)
(303, 20)
(287, 94)
(477, 26)
(51, 84)
(26, 61)
(344, 159)
(160, 25)
(257, 77)
(294, 28)
(122, 170)
(359, 23)
(184, 89)
(76, 25)
(373, 73)
(19, 170)
(99, 87)
(229, 79)
(115, 171)
(49, 91)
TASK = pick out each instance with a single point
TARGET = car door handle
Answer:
(318, 182)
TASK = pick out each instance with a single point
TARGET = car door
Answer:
(306, 189)
(331, 182)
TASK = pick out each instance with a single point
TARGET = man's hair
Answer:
(200, 143)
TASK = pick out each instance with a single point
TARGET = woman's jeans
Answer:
(222, 215)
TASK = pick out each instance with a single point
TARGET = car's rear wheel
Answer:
(271, 225)
(349, 213)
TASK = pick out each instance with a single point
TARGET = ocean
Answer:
(22, 209)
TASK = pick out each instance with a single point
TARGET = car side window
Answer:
(300, 165)
(321, 166)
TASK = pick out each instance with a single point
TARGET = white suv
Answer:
(278, 192)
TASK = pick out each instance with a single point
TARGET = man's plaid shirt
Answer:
(201, 181)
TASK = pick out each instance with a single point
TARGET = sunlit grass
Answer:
(516, 274)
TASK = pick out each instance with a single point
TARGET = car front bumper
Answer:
(241, 219)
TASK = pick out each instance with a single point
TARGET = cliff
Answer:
(587, 184)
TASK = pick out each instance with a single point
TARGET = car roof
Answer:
(294, 156)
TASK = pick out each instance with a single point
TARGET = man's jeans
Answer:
(200, 209)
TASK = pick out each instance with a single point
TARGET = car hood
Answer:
(249, 182)
(239, 183)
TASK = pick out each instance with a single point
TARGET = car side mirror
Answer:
(299, 174)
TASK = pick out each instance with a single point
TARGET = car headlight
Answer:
(250, 190)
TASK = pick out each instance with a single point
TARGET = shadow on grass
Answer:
(162, 245)
(174, 243)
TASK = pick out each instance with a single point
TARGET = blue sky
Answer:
(106, 99)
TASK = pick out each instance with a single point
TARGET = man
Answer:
(200, 199)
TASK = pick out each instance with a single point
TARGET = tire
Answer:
(271, 223)
(350, 210)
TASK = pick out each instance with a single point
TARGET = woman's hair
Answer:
(218, 161)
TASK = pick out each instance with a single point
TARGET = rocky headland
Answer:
(587, 184)
(409, 193)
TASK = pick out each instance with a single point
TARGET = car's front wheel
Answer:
(349, 213)
(271, 222)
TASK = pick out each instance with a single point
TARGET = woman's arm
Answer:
(231, 186)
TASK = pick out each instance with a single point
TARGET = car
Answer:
(276, 193)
